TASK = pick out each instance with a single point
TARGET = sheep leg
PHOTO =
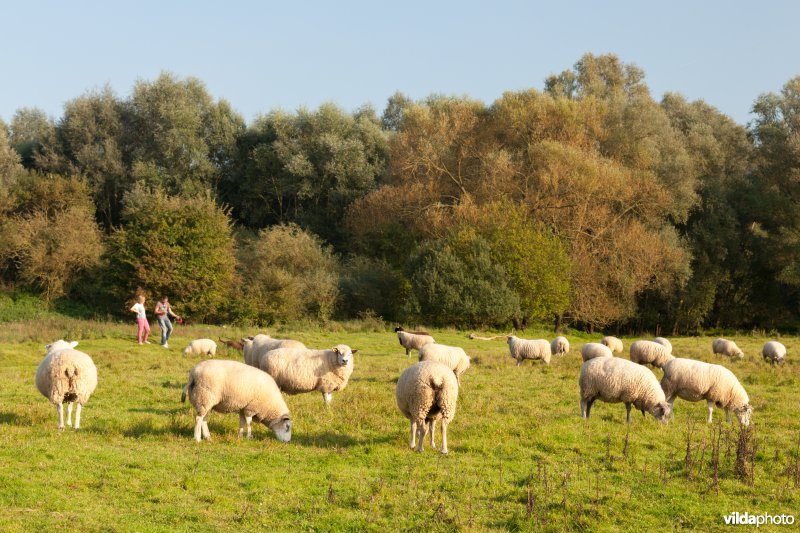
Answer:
(198, 427)
(327, 396)
(241, 425)
(408, 352)
(69, 414)
(249, 420)
(589, 404)
(519, 362)
(444, 436)
(432, 428)
(78, 416)
(628, 409)
(421, 430)
(60, 411)
(583, 409)
(710, 411)
(413, 435)
(728, 416)
(206, 432)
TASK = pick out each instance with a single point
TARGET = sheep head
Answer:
(60, 345)
(344, 355)
(281, 427)
(661, 412)
(744, 413)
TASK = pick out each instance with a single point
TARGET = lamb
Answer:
(650, 353)
(614, 380)
(774, 352)
(298, 370)
(522, 349)
(426, 392)
(255, 347)
(613, 343)
(728, 348)
(454, 357)
(591, 350)
(230, 386)
(413, 340)
(697, 380)
(665, 343)
(559, 346)
(201, 347)
(66, 375)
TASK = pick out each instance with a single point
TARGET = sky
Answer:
(260, 56)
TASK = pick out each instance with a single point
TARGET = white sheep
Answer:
(522, 349)
(614, 380)
(233, 387)
(650, 353)
(426, 392)
(255, 347)
(66, 375)
(201, 347)
(298, 370)
(613, 343)
(413, 340)
(774, 352)
(454, 357)
(728, 348)
(697, 380)
(559, 346)
(591, 350)
(665, 343)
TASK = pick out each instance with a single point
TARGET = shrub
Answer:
(371, 285)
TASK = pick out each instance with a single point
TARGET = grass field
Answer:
(520, 456)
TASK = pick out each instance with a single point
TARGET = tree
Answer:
(30, 129)
(179, 246)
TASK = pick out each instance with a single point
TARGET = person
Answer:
(163, 312)
(141, 320)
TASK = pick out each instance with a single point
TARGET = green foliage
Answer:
(372, 285)
(455, 281)
(288, 274)
(176, 246)
(30, 130)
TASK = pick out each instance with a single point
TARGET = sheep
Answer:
(298, 370)
(728, 348)
(613, 343)
(427, 391)
(255, 347)
(66, 375)
(650, 353)
(591, 350)
(614, 380)
(230, 386)
(201, 347)
(413, 340)
(665, 343)
(454, 357)
(697, 380)
(559, 346)
(774, 352)
(522, 349)
(236, 345)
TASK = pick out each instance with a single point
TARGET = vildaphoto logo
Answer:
(747, 519)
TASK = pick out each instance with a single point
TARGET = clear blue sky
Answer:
(264, 55)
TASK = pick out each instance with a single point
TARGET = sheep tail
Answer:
(186, 389)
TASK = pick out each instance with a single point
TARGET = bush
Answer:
(181, 247)
(288, 274)
(371, 286)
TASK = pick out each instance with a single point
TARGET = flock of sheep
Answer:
(426, 392)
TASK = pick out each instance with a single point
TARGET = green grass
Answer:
(520, 456)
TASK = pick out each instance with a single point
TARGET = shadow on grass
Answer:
(7, 418)
(330, 440)
(153, 411)
(169, 384)
(147, 428)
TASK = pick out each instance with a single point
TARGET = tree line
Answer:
(587, 203)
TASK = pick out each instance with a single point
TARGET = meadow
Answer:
(521, 458)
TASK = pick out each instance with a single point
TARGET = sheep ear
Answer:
(47, 347)
(335, 349)
(73, 344)
(353, 352)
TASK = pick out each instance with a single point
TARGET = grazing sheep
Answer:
(665, 343)
(454, 357)
(774, 352)
(66, 375)
(236, 345)
(255, 347)
(559, 346)
(201, 347)
(590, 350)
(613, 380)
(728, 348)
(427, 391)
(298, 370)
(649, 353)
(413, 340)
(232, 387)
(522, 349)
(697, 380)
(613, 343)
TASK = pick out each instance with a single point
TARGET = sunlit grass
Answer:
(521, 458)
